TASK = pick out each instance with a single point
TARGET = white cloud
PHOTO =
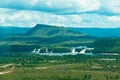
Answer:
(112, 5)
(78, 13)
(64, 6)
(31, 18)
(88, 5)
(114, 18)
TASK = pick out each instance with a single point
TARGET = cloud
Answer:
(31, 18)
(69, 13)
(114, 18)
(24, 18)
(104, 7)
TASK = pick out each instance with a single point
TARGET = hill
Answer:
(6, 31)
(41, 30)
(56, 34)
(99, 32)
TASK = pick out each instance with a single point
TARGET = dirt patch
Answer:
(7, 65)
(42, 68)
(5, 72)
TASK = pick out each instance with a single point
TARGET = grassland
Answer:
(79, 67)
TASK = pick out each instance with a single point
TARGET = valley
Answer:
(17, 59)
(57, 39)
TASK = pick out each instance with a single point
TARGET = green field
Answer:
(79, 67)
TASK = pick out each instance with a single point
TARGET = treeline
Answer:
(36, 58)
(55, 39)
(107, 46)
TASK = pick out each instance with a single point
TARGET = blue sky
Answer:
(68, 13)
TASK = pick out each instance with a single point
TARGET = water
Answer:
(61, 54)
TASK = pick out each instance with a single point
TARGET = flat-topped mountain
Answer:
(56, 34)
(50, 30)
(41, 30)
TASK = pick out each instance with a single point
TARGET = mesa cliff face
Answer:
(41, 30)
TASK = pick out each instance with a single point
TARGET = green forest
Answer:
(79, 67)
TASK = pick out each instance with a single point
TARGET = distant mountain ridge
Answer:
(96, 32)
(9, 31)
(99, 32)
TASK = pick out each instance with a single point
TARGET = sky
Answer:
(68, 13)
